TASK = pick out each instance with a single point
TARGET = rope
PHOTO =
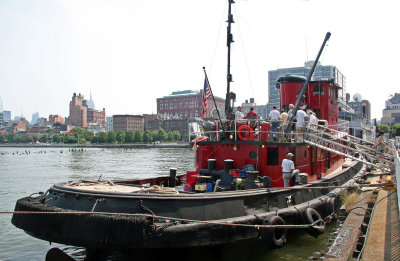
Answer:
(165, 218)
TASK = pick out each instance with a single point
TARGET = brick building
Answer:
(187, 104)
(53, 119)
(78, 111)
(128, 122)
(95, 116)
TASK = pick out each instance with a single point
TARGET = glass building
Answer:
(322, 72)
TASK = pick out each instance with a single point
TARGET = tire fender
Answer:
(310, 216)
(275, 237)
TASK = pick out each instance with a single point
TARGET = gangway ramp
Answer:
(346, 145)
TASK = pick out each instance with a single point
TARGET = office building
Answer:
(391, 113)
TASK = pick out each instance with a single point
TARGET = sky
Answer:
(128, 53)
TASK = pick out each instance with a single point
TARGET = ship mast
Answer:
(229, 96)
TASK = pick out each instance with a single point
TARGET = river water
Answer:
(24, 171)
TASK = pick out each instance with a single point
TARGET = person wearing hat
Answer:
(288, 171)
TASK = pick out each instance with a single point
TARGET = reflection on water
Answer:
(25, 171)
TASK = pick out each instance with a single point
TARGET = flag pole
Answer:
(215, 104)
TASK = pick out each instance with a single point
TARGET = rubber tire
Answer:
(274, 237)
(309, 216)
(330, 206)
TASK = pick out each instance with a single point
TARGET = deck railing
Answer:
(260, 130)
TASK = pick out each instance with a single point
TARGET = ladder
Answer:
(346, 145)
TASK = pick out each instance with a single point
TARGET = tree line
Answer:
(81, 135)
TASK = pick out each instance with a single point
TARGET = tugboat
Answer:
(235, 193)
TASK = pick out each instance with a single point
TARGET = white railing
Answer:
(260, 131)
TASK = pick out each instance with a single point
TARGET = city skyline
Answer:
(128, 53)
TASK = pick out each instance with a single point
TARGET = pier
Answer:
(371, 229)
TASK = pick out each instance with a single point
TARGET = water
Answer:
(24, 171)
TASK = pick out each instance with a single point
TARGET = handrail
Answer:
(261, 134)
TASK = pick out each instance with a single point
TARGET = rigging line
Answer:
(245, 54)
(222, 20)
(268, 54)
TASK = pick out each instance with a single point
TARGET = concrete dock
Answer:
(371, 230)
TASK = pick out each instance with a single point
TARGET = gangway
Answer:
(347, 145)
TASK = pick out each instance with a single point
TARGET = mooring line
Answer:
(166, 218)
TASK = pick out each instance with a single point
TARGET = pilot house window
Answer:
(318, 90)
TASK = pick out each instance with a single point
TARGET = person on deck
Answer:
(301, 116)
(274, 118)
(252, 116)
(238, 114)
(380, 145)
(290, 113)
(283, 120)
(288, 171)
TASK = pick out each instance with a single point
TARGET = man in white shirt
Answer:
(313, 119)
(238, 114)
(274, 118)
(301, 115)
(288, 170)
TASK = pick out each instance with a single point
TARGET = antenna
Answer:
(306, 49)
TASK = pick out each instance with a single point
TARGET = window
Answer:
(318, 90)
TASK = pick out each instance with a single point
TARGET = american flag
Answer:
(206, 95)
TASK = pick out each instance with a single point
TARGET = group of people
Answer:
(281, 120)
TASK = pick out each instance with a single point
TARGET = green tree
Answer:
(129, 136)
(138, 136)
(396, 129)
(111, 136)
(177, 135)
(103, 137)
(147, 136)
(384, 127)
(43, 138)
(161, 135)
(170, 136)
(57, 138)
(120, 137)
(2, 138)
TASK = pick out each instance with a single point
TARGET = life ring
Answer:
(310, 216)
(200, 139)
(245, 128)
(275, 237)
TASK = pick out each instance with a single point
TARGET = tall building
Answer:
(7, 116)
(322, 72)
(391, 114)
(128, 122)
(78, 111)
(82, 112)
(187, 104)
(35, 118)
